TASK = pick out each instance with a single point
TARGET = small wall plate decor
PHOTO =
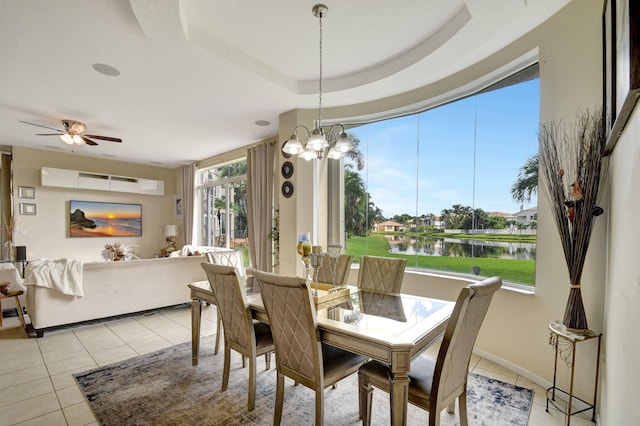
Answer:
(287, 189)
(284, 154)
(287, 169)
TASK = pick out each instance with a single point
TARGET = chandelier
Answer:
(337, 143)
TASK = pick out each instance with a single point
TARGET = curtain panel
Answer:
(189, 174)
(260, 179)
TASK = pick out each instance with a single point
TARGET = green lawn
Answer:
(518, 271)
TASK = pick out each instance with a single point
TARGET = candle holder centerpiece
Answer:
(304, 250)
(334, 251)
(317, 256)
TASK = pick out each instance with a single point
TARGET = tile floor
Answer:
(37, 387)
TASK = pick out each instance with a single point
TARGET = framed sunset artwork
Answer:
(99, 219)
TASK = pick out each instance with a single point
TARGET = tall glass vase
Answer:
(8, 250)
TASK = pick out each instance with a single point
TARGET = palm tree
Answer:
(219, 205)
(355, 154)
(527, 182)
(456, 216)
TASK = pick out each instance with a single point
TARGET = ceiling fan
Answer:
(73, 133)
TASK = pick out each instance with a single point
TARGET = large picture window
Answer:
(451, 189)
(222, 197)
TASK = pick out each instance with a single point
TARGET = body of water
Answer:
(426, 246)
(123, 227)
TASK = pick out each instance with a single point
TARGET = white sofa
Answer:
(116, 288)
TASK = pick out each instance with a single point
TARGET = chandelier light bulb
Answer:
(334, 154)
(308, 154)
(293, 146)
(344, 144)
(316, 141)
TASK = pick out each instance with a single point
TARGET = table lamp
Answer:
(169, 232)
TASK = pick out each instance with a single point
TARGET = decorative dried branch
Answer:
(573, 166)
(9, 227)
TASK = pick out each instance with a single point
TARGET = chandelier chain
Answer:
(336, 142)
(320, 80)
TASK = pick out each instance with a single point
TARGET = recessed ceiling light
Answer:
(158, 163)
(106, 70)
(52, 147)
(262, 123)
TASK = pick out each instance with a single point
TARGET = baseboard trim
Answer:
(534, 378)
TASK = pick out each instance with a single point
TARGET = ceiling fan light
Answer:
(292, 146)
(78, 140)
(66, 138)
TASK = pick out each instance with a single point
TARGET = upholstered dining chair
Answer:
(300, 355)
(436, 383)
(241, 333)
(382, 274)
(343, 266)
(233, 258)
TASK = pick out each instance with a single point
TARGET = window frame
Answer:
(516, 76)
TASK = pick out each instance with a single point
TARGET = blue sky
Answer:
(430, 156)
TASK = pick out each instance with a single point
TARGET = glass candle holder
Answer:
(334, 251)
(317, 256)
(304, 250)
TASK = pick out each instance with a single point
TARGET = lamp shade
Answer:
(67, 138)
(170, 231)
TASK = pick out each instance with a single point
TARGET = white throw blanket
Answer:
(64, 275)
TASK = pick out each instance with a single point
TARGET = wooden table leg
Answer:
(196, 312)
(399, 394)
(399, 402)
(24, 324)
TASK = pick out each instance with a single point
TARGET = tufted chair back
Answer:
(382, 274)
(325, 273)
(233, 258)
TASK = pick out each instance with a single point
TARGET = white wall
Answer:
(621, 366)
(46, 234)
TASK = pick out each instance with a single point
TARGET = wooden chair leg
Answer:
(277, 414)
(462, 408)
(267, 360)
(252, 383)
(227, 366)
(218, 333)
(319, 407)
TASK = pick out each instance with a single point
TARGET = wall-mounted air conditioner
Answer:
(98, 181)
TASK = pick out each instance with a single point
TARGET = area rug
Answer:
(162, 388)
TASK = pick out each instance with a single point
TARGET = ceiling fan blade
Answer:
(39, 125)
(88, 141)
(104, 138)
(49, 134)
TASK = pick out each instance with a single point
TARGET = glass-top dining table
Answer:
(390, 328)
